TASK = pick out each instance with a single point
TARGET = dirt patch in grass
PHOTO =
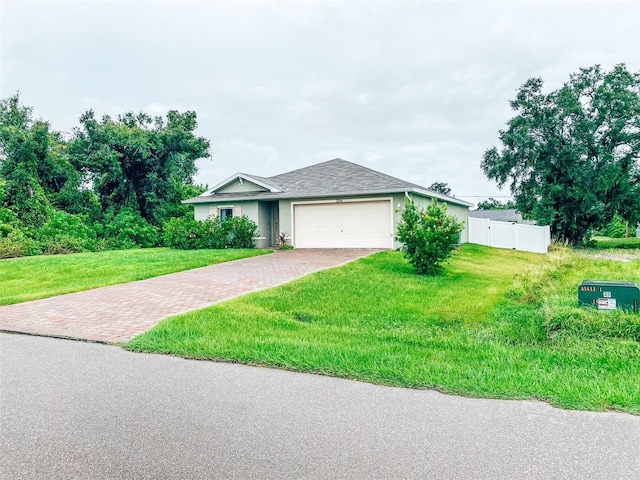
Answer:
(622, 256)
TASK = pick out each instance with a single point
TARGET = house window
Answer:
(224, 213)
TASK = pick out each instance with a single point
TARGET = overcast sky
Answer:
(417, 90)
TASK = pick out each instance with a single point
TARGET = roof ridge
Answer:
(308, 166)
(342, 160)
(381, 173)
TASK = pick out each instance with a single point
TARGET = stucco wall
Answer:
(249, 208)
(398, 205)
(201, 211)
(285, 219)
(461, 213)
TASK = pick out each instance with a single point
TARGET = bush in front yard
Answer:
(16, 244)
(66, 233)
(186, 233)
(428, 236)
(127, 229)
(240, 232)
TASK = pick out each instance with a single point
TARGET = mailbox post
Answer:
(609, 295)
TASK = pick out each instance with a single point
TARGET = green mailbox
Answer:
(609, 295)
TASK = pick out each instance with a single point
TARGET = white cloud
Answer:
(414, 89)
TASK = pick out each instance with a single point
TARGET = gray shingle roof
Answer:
(266, 181)
(504, 215)
(337, 176)
(330, 178)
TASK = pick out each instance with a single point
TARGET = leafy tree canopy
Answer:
(440, 187)
(139, 162)
(493, 204)
(112, 184)
(571, 156)
(33, 164)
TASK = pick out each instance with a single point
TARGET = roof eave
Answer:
(242, 176)
(285, 196)
(440, 196)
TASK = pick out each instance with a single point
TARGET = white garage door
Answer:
(343, 225)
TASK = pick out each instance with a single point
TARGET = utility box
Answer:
(609, 295)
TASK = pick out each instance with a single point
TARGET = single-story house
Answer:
(333, 204)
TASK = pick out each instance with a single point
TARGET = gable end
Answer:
(241, 185)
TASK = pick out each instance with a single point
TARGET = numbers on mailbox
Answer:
(587, 289)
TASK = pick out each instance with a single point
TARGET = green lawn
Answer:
(627, 243)
(30, 278)
(499, 324)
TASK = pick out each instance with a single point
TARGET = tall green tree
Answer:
(440, 187)
(24, 159)
(493, 204)
(35, 165)
(138, 162)
(571, 156)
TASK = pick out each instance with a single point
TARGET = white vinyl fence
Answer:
(516, 236)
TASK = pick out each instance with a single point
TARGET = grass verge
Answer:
(498, 324)
(620, 243)
(31, 278)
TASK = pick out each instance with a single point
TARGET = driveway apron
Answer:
(120, 312)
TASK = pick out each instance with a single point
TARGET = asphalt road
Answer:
(82, 410)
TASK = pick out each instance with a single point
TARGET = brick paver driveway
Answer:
(120, 312)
